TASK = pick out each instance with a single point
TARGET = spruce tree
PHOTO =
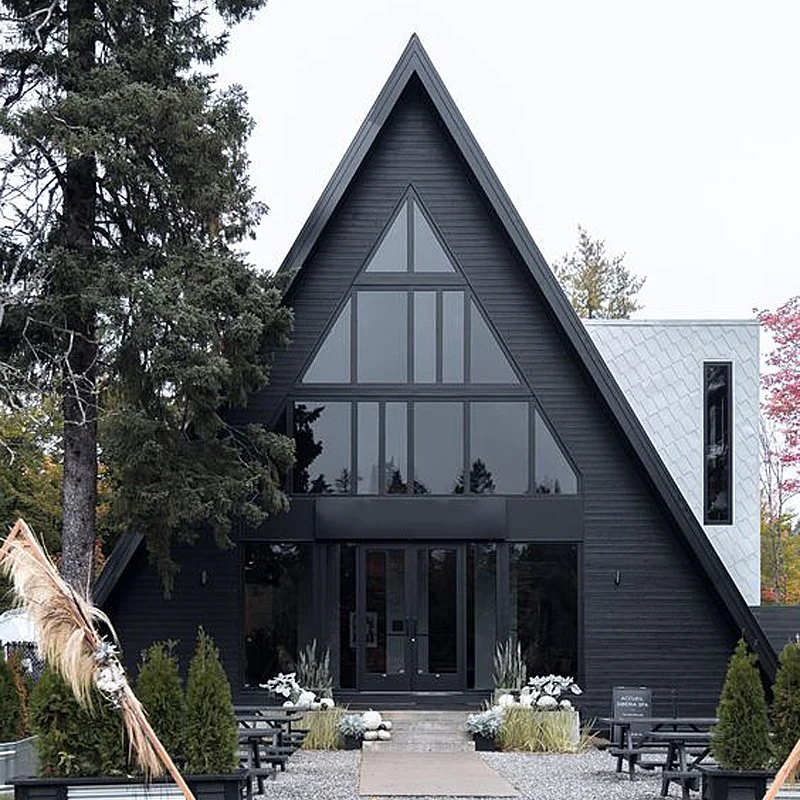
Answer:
(159, 689)
(786, 703)
(125, 194)
(10, 708)
(741, 738)
(211, 738)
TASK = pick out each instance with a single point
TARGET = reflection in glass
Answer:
(453, 337)
(437, 610)
(322, 445)
(438, 447)
(488, 363)
(544, 606)
(382, 337)
(717, 444)
(424, 337)
(481, 613)
(347, 612)
(553, 474)
(391, 255)
(396, 446)
(331, 364)
(383, 627)
(429, 255)
(368, 459)
(498, 448)
(278, 612)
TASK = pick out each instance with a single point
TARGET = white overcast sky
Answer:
(669, 129)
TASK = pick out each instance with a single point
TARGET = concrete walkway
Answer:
(426, 774)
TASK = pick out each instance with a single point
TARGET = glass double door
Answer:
(410, 619)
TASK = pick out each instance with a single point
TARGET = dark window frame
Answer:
(727, 440)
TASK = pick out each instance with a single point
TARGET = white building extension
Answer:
(667, 371)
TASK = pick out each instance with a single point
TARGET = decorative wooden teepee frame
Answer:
(69, 640)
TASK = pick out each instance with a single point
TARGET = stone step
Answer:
(425, 731)
(399, 746)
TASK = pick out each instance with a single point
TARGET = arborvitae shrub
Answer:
(741, 739)
(211, 739)
(159, 689)
(10, 709)
(72, 741)
(24, 683)
(786, 703)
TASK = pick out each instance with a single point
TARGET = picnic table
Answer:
(685, 750)
(267, 736)
(635, 737)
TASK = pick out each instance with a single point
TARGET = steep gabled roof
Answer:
(415, 62)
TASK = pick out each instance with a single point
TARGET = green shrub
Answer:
(741, 739)
(10, 707)
(158, 687)
(786, 703)
(211, 738)
(72, 741)
(24, 683)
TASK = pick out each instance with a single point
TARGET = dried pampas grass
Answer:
(70, 642)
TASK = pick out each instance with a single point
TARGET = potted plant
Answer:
(510, 672)
(740, 741)
(351, 729)
(485, 727)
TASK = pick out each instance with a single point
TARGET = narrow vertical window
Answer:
(718, 451)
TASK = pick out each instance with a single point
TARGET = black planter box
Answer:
(351, 742)
(483, 743)
(204, 787)
(736, 784)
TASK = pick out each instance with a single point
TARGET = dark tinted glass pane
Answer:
(437, 610)
(278, 608)
(718, 444)
(429, 255)
(368, 461)
(384, 640)
(347, 614)
(382, 337)
(553, 474)
(488, 363)
(498, 448)
(391, 255)
(544, 606)
(453, 337)
(438, 447)
(322, 440)
(331, 364)
(424, 337)
(396, 444)
(481, 613)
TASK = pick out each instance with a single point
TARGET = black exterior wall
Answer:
(654, 610)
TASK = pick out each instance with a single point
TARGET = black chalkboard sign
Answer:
(631, 702)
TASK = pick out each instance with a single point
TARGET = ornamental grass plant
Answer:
(531, 730)
(323, 729)
(740, 741)
(785, 711)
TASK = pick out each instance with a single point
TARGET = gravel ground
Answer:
(334, 776)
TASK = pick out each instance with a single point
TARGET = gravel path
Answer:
(317, 775)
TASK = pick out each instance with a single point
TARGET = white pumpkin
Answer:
(288, 704)
(506, 700)
(384, 736)
(372, 720)
(306, 698)
(370, 736)
(326, 702)
(526, 700)
(386, 724)
(546, 701)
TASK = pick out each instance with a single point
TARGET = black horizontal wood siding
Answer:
(660, 624)
(141, 614)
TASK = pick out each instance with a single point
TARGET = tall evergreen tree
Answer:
(597, 284)
(124, 194)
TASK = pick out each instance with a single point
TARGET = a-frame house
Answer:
(468, 470)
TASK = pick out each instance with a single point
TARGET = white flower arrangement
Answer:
(546, 691)
(286, 685)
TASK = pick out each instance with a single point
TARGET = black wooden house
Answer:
(468, 470)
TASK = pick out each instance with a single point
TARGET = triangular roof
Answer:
(415, 62)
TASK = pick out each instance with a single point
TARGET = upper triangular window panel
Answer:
(392, 252)
(429, 255)
(331, 364)
(421, 252)
(488, 363)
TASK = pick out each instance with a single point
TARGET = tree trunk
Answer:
(80, 369)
